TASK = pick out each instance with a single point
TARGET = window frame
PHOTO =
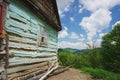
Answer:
(43, 37)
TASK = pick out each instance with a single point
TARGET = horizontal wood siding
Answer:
(23, 29)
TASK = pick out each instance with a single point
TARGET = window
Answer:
(43, 37)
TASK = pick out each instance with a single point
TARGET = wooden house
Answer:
(32, 27)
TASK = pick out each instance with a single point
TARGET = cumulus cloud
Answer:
(63, 33)
(72, 19)
(64, 6)
(77, 37)
(74, 35)
(93, 5)
(61, 13)
(81, 38)
(118, 22)
(96, 22)
(74, 45)
(81, 35)
(98, 42)
(81, 8)
(99, 20)
(101, 35)
(100, 17)
(90, 35)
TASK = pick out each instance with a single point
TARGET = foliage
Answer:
(81, 61)
(101, 74)
(91, 59)
(66, 58)
(107, 57)
(111, 50)
(94, 58)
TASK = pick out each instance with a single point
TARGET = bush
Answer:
(101, 74)
(66, 58)
(91, 59)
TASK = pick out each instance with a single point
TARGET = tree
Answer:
(94, 56)
(111, 49)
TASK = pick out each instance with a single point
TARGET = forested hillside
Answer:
(101, 63)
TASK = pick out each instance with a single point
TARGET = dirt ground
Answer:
(71, 74)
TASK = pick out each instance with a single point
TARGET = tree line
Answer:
(107, 57)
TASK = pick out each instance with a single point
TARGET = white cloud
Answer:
(96, 22)
(93, 5)
(100, 15)
(118, 22)
(75, 45)
(74, 35)
(77, 37)
(81, 9)
(61, 13)
(90, 35)
(67, 8)
(101, 35)
(63, 33)
(72, 19)
(80, 6)
(81, 38)
(98, 42)
(81, 35)
(64, 6)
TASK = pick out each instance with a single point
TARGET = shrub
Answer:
(101, 74)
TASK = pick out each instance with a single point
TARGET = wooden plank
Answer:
(16, 16)
(28, 26)
(34, 55)
(53, 47)
(20, 32)
(43, 49)
(29, 73)
(28, 53)
(22, 40)
(47, 51)
(53, 39)
(52, 43)
(52, 32)
(36, 26)
(19, 25)
(22, 46)
(16, 50)
(15, 9)
(19, 61)
(34, 20)
(25, 67)
(33, 30)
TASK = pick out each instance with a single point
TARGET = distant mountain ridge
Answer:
(76, 51)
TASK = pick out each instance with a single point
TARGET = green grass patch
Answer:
(101, 74)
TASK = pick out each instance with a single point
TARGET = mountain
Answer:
(76, 51)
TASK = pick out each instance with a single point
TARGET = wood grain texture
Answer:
(24, 30)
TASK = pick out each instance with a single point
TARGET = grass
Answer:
(101, 74)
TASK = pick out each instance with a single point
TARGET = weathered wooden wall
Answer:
(23, 29)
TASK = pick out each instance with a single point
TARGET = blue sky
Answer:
(86, 21)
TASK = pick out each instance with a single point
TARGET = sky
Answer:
(86, 21)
